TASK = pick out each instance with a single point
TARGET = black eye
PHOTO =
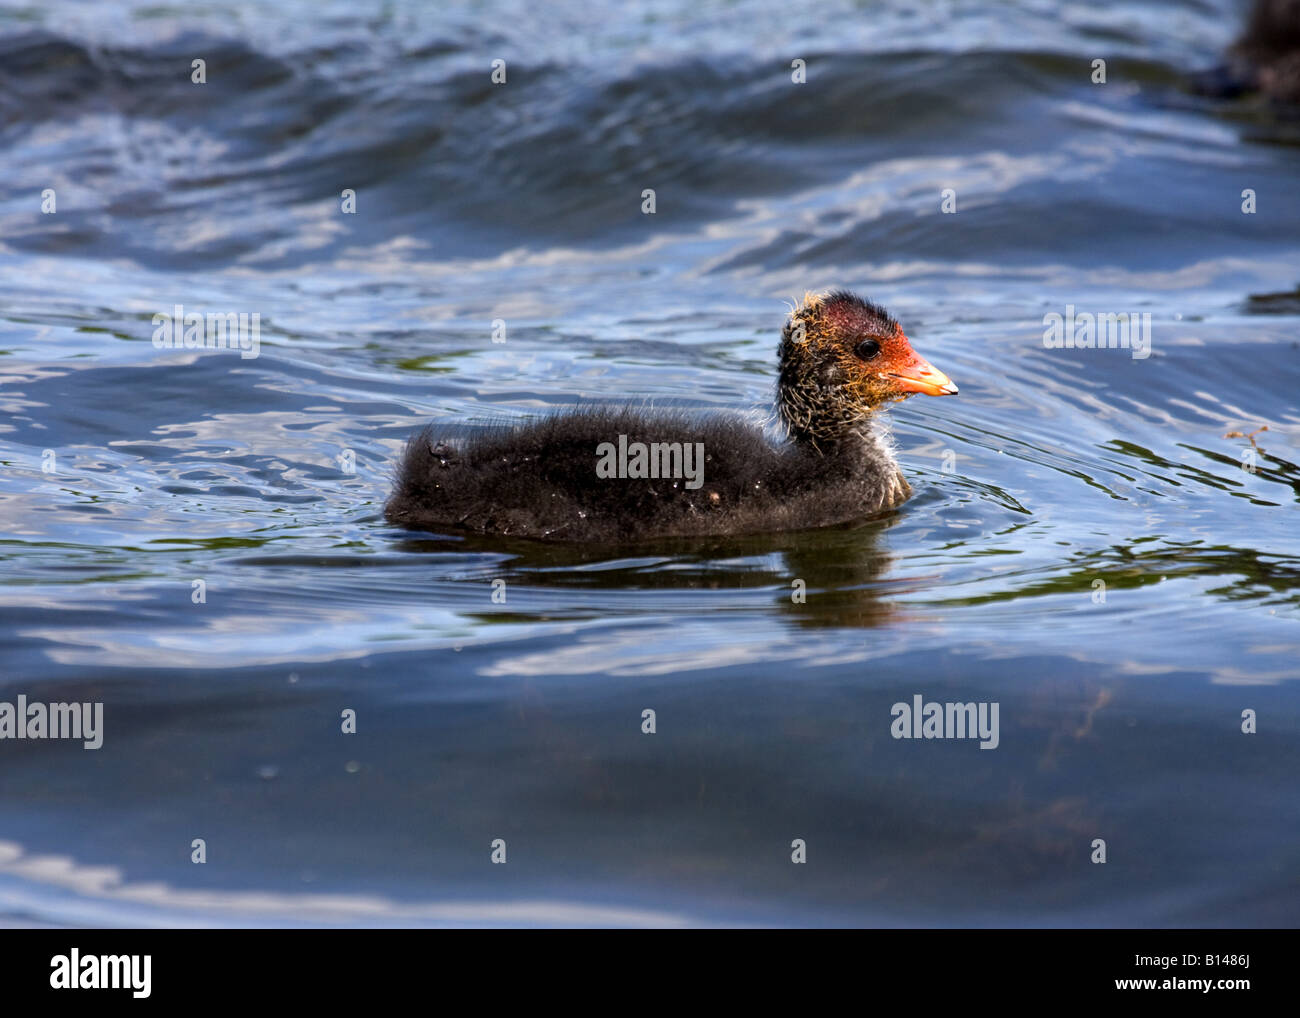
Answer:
(867, 349)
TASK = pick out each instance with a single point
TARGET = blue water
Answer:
(131, 472)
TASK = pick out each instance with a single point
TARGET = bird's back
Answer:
(620, 474)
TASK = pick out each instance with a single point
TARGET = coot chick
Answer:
(617, 474)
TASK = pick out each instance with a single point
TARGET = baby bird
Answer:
(617, 474)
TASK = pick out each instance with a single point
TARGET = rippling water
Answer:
(132, 472)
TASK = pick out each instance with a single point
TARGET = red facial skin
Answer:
(910, 371)
(847, 321)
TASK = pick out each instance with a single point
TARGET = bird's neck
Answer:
(824, 425)
(862, 437)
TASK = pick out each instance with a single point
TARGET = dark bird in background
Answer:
(1264, 60)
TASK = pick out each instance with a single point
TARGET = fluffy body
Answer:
(539, 480)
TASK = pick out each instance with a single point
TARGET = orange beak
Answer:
(913, 373)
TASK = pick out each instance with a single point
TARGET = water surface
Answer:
(132, 472)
